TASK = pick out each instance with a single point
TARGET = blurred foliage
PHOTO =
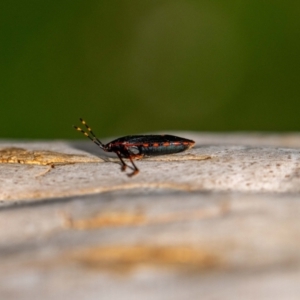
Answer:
(143, 66)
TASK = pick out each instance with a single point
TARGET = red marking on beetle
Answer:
(139, 146)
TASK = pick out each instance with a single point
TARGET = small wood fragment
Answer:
(15, 155)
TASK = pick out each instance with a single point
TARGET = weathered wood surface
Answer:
(220, 221)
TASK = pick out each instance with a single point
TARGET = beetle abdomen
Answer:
(162, 149)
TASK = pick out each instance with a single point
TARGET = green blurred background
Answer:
(144, 66)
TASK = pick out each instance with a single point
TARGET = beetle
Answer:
(138, 146)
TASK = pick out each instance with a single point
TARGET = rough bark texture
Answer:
(220, 221)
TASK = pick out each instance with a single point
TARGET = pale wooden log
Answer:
(220, 221)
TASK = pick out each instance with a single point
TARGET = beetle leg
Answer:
(123, 167)
(128, 155)
(135, 170)
(133, 156)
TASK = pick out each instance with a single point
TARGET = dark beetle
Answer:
(139, 146)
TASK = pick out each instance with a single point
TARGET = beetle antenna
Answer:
(92, 137)
(90, 130)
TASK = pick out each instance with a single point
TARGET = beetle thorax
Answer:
(108, 147)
